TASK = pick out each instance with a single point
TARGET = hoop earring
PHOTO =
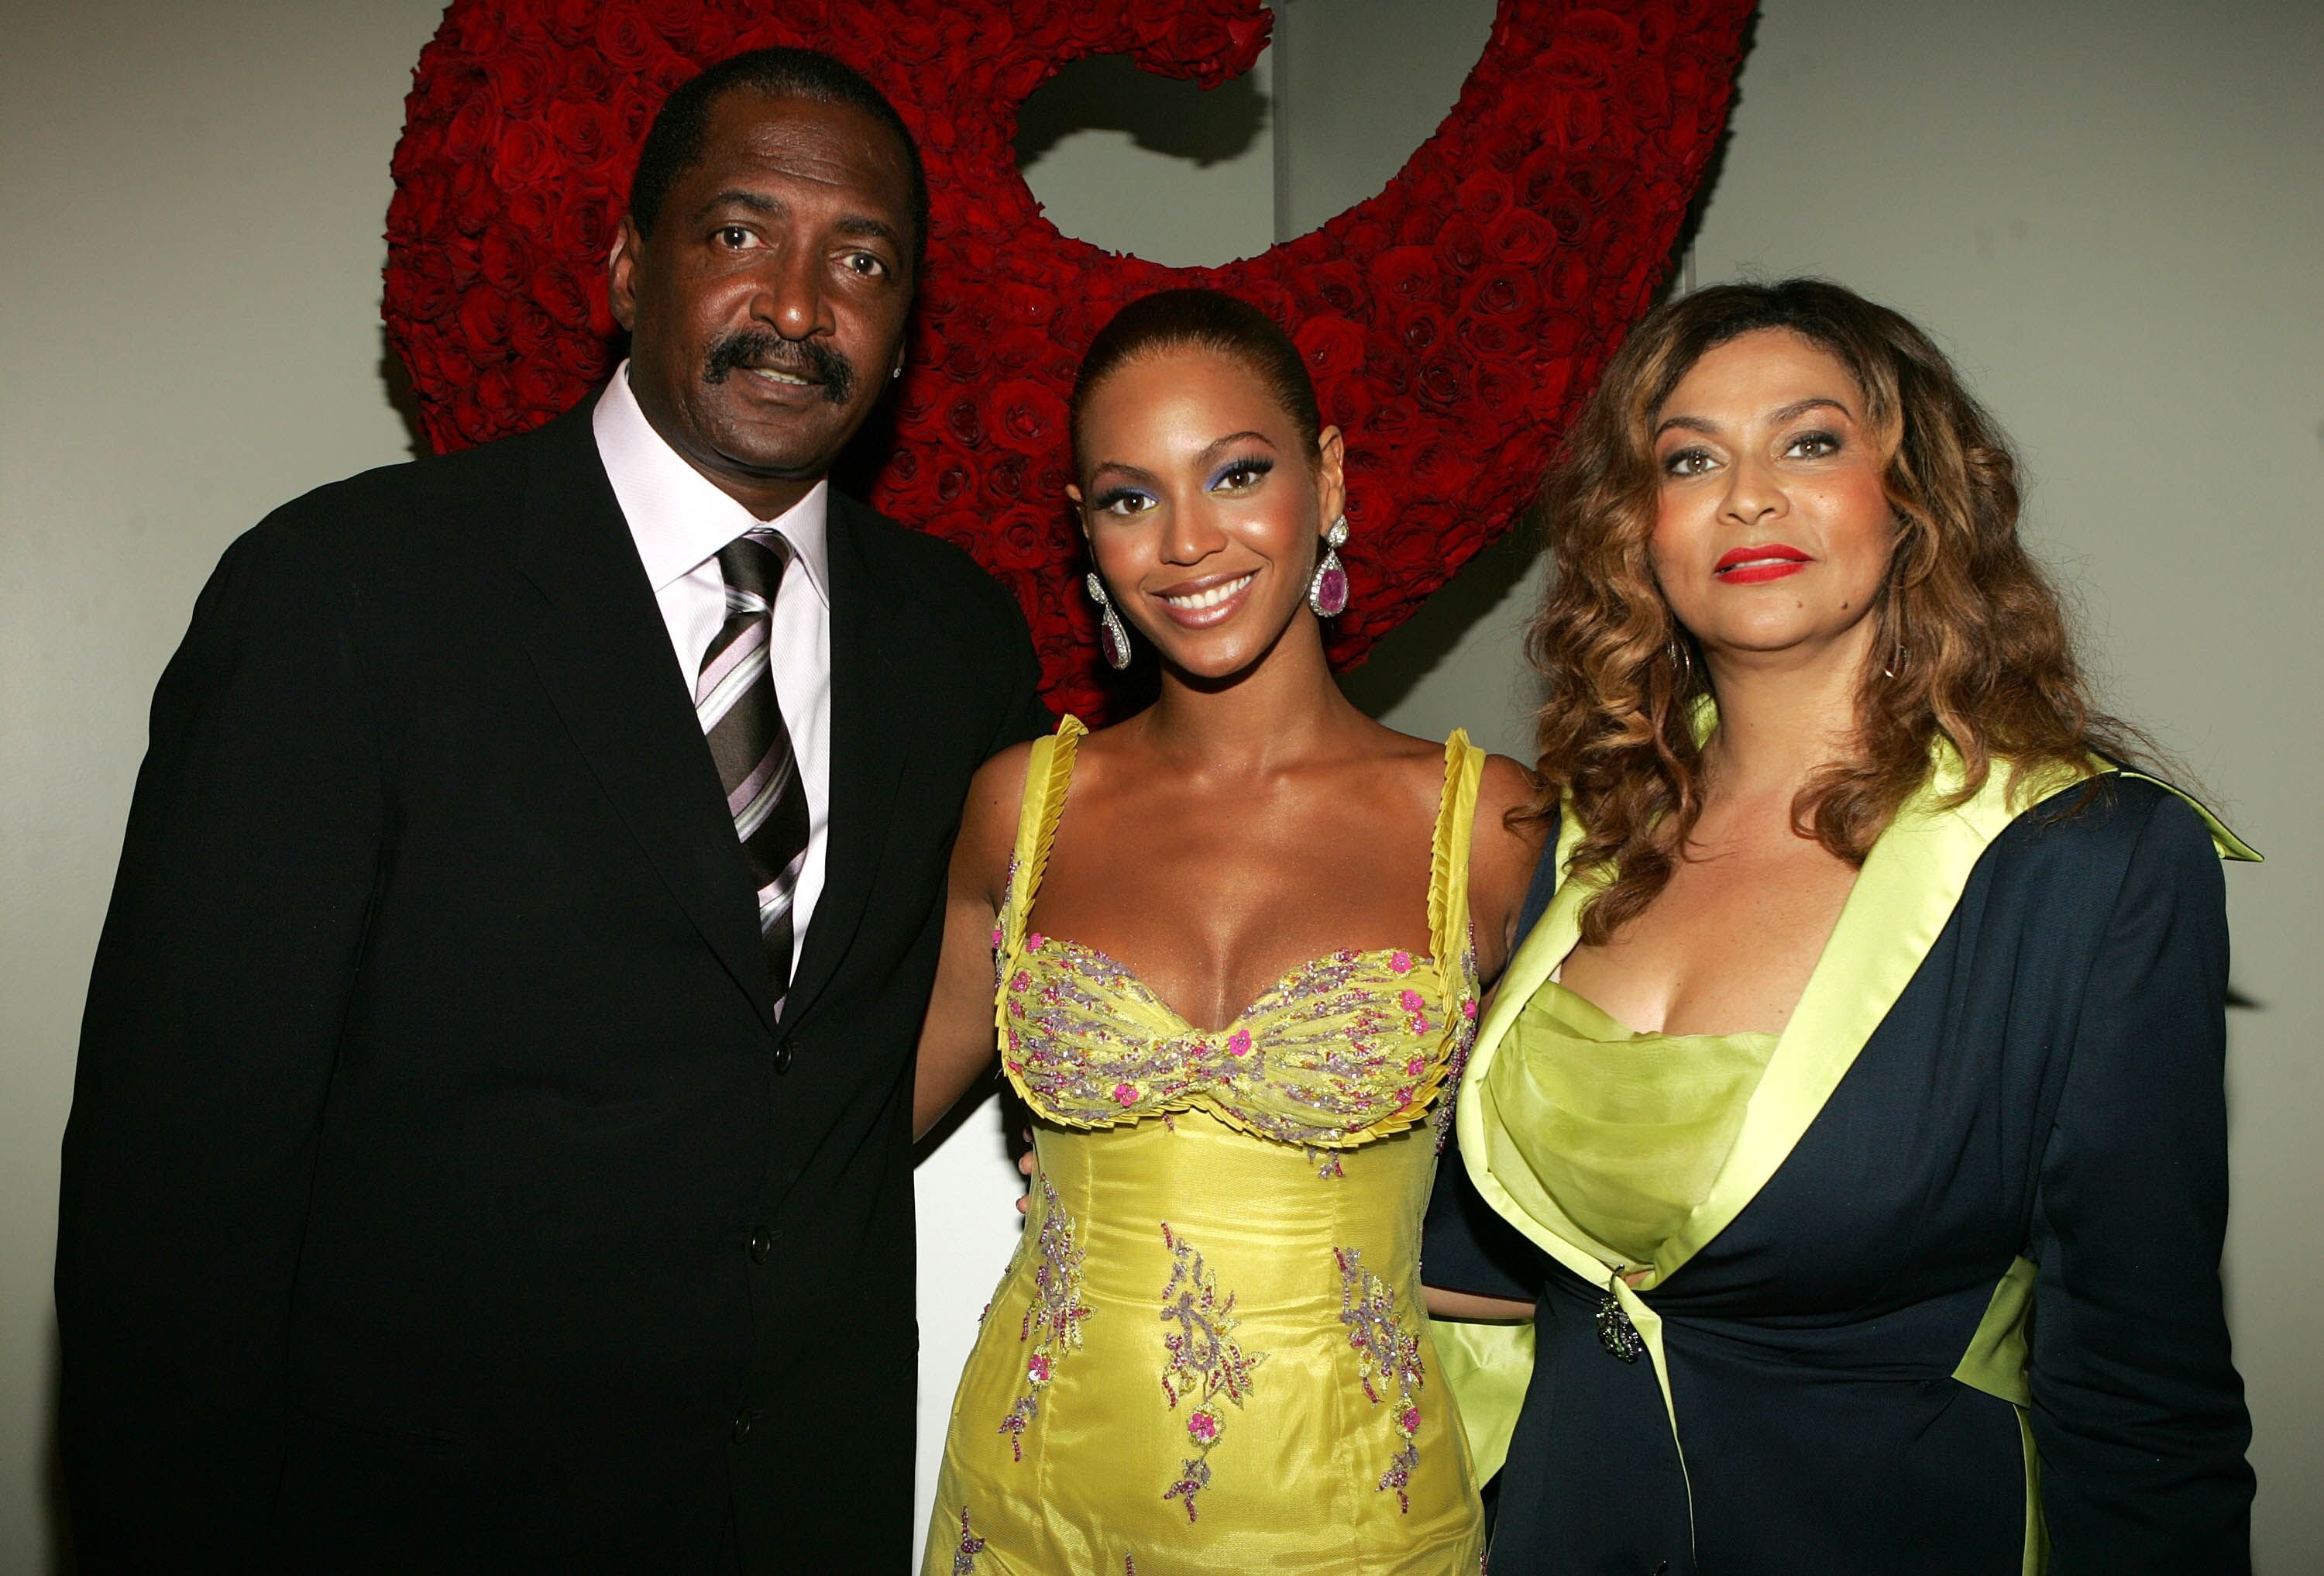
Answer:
(1888, 668)
(1113, 635)
(1683, 659)
(1327, 593)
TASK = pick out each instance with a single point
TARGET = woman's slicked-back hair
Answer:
(1203, 319)
(1971, 646)
(673, 144)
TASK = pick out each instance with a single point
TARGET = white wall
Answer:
(192, 197)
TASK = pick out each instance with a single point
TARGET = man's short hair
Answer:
(674, 144)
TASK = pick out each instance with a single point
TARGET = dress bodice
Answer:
(1345, 1048)
(1208, 1354)
(1627, 1130)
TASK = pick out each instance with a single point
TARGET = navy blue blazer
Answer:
(2035, 1135)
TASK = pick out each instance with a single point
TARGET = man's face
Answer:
(766, 311)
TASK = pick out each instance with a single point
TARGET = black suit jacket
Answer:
(439, 1192)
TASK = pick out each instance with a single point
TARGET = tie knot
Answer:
(754, 563)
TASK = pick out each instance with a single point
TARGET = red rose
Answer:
(625, 40)
(571, 21)
(1646, 91)
(522, 157)
(677, 21)
(484, 315)
(532, 332)
(1573, 68)
(583, 130)
(1582, 115)
(584, 356)
(1484, 195)
(588, 79)
(531, 213)
(1654, 24)
(585, 229)
(1599, 32)
(635, 108)
(1461, 245)
(1028, 417)
(473, 128)
(1407, 273)
(1027, 307)
(1440, 381)
(1521, 236)
(541, 386)
(964, 421)
(1004, 478)
(494, 393)
(1502, 291)
(503, 260)
(1484, 338)
(1421, 329)
(559, 294)
(519, 78)
(1340, 286)
(1332, 347)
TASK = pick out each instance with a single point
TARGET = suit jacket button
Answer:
(742, 1422)
(783, 1058)
(762, 1244)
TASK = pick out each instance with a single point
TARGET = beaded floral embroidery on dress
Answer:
(963, 1556)
(1345, 1048)
(1387, 1354)
(1205, 1364)
(1053, 1319)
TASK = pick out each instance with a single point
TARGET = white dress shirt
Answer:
(680, 518)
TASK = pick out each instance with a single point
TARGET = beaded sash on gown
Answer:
(1209, 1352)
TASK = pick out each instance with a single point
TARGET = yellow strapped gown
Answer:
(1209, 1352)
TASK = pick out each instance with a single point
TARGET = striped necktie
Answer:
(735, 700)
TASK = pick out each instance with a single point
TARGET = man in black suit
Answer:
(490, 1151)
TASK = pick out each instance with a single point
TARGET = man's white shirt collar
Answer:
(678, 517)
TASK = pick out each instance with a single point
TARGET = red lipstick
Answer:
(1754, 564)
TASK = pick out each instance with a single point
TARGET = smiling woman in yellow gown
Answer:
(1230, 952)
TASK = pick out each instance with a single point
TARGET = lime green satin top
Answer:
(1627, 1130)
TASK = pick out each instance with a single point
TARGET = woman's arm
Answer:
(2138, 1414)
(956, 1038)
(1502, 859)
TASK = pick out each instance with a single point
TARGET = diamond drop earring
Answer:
(1112, 634)
(1327, 593)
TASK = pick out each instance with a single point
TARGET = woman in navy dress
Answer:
(1853, 1121)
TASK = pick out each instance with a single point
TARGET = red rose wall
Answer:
(1453, 323)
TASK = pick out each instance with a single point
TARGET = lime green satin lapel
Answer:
(1901, 900)
(1497, 1167)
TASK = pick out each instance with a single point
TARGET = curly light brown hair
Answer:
(1972, 644)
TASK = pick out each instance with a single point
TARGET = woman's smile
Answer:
(1197, 604)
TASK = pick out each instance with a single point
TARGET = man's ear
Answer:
(621, 272)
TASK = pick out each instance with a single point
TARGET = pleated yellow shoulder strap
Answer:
(1448, 870)
(1048, 774)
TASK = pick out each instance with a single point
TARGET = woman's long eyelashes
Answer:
(1813, 445)
(1121, 501)
(1687, 461)
(1237, 474)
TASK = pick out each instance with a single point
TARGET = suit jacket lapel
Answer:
(598, 642)
(869, 723)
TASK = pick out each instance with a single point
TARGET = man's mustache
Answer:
(802, 358)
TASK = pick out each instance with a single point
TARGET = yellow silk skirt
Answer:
(1209, 1355)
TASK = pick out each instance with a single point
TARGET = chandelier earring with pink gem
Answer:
(1327, 593)
(1112, 634)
